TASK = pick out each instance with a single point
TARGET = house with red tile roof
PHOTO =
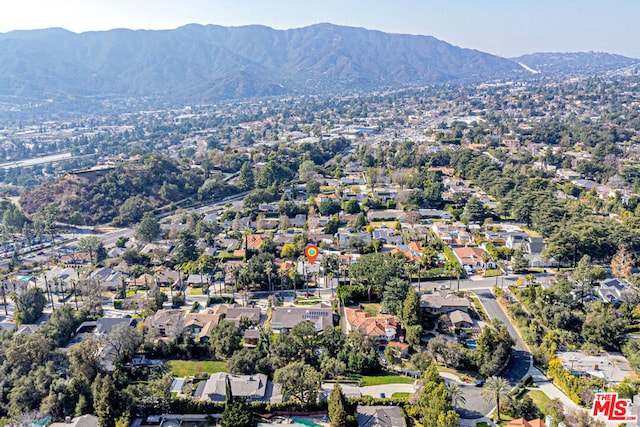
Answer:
(521, 422)
(472, 258)
(254, 241)
(412, 251)
(382, 328)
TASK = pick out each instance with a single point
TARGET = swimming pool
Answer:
(301, 422)
(471, 344)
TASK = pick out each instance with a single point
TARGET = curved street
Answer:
(516, 369)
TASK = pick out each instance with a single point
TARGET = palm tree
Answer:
(494, 388)
(455, 394)
(268, 268)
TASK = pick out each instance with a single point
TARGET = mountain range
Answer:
(208, 63)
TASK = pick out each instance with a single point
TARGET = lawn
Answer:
(195, 291)
(400, 395)
(539, 399)
(368, 380)
(469, 375)
(492, 273)
(374, 309)
(189, 368)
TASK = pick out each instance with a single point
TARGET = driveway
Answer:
(516, 369)
(385, 390)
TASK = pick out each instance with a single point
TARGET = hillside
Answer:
(114, 194)
(575, 63)
(205, 63)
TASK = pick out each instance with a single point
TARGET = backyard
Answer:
(190, 368)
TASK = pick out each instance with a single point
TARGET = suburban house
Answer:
(107, 278)
(165, 277)
(251, 337)
(403, 348)
(382, 328)
(196, 280)
(200, 324)
(253, 388)
(521, 422)
(452, 234)
(82, 421)
(285, 318)
(460, 319)
(380, 416)
(441, 302)
(167, 323)
(386, 215)
(387, 235)
(58, 275)
(472, 258)
(346, 239)
(234, 313)
(612, 291)
(412, 251)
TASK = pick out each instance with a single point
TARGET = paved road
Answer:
(516, 369)
(381, 390)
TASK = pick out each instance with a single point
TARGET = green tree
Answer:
(332, 367)
(352, 207)
(332, 226)
(29, 305)
(414, 335)
(109, 403)
(474, 211)
(133, 208)
(313, 188)
(124, 340)
(586, 274)
(298, 380)
(92, 245)
(421, 361)
(246, 178)
(494, 389)
(493, 348)
(519, 262)
(329, 207)
(237, 414)
(75, 218)
(148, 229)
(456, 394)
(394, 294)
(338, 407)
(186, 249)
(603, 328)
(13, 218)
(411, 308)
(226, 339)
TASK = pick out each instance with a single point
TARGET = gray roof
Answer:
(287, 317)
(458, 316)
(249, 386)
(443, 301)
(380, 416)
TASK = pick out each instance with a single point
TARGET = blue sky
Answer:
(503, 27)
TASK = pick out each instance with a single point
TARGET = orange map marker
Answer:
(311, 252)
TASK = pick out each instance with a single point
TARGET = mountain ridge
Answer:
(217, 62)
(211, 62)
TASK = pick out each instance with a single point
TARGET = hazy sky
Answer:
(502, 27)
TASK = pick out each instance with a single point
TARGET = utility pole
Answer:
(4, 299)
(75, 294)
(46, 284)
